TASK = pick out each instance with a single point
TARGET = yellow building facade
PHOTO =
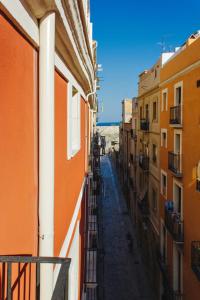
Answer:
(180, 156)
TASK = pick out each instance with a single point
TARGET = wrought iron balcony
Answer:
(144, 162)
(174, 224)
(24, 271)
(144, 124)
(175, 115)
(170, 294)
(174, 163)
(195, 258)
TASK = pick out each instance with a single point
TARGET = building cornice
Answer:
(181, 73)
(71, 36)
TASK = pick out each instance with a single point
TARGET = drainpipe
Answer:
(46, 151)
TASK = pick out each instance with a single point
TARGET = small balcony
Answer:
(28, 276)
(174, 163)
(195, 258)
(144, 162)
(174, 223)
(144, 124)
(170, 294)
(175, 115)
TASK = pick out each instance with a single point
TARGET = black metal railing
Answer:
(144, 124)
(170, 294)
(195, 258)
(144, 162)
(174, 163)
(175, 115)
(21, 274)
(198, 185)
(174, 224)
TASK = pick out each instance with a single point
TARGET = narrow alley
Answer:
(124, 274)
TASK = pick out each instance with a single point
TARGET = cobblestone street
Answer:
(124, 274)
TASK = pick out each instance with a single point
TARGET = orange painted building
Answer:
(179, 160)
(48, 99)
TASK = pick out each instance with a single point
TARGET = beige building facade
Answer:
(148, 170)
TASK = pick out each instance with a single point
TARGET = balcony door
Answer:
(178, 150)
(177, 271)
(178, 201)
(178, 97)
(147, 112)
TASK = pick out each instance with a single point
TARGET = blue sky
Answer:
(128, 33)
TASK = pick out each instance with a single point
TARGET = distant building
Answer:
(125, 145)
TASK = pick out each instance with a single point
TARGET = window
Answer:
(147, 112)
(140, 112)
(178, 95)
(164, 184)
(154, 153)
(155, 111)
(164, 100)
(154, 200)
(74, 121)
(164, 138)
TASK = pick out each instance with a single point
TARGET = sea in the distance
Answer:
(108, 123)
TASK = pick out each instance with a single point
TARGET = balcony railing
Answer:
(175, 115)
(144, 124)
(144, 162)
(24, 272)
(174, 224)
(170, 294)
(174, 163)
(195, 258)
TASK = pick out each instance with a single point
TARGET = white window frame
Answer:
(179, 132)
(180, 185)
(163, 173)
(177, 85)
(163, 130)
(165, 91)
(73, 122)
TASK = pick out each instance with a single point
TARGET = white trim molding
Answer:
(21, 16)
(163, 130)
(181, 73)
(163, 173)
(165, 91)
(62, 68)
(66, 243)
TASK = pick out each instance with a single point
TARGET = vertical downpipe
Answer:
(46, 151)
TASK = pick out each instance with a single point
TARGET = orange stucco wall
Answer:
(191, 154)
(69, 174)
(19, 143)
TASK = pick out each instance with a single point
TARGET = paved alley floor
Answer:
(124, 275)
